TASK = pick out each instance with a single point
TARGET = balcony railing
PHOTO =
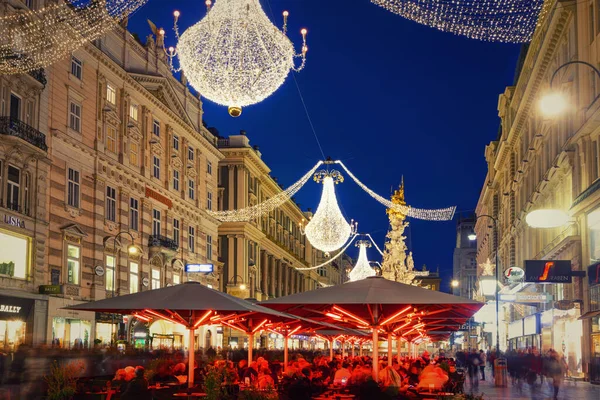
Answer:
(39, 75)
(15, 127)
(162, 241)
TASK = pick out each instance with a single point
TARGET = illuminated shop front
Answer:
(14, 313)
(108, 327)
(69, 328)
(167, 335)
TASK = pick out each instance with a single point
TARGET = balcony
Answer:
(39, 75)
(163, 242)
(14, 127)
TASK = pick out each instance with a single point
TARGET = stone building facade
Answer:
(464, 263)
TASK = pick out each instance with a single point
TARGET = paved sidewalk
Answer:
(569, 391)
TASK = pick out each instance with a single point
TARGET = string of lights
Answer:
(253, 212)
(512, 21)
(443, 214)
(374, 244)
(235, 56)
(362, 269)
(331, 259)
(33, 39)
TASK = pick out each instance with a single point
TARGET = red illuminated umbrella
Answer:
(382, 306)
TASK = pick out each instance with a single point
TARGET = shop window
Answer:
(13, 188)
(71, 332)
(134, 277)
(73, 264)
(155, 279)
(14, 257)
(110, 273)
(73, 188)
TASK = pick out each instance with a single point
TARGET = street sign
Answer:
(545, 271)
(514, 274)
(525, 297)
(50, 289)
(202, 268)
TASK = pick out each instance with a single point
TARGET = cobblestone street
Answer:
(569, 391)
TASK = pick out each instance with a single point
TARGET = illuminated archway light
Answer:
(33, 39)
(512, 21)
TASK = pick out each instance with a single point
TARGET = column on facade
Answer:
(293, 280)
(263, 272)
(231, 189)
(242, 261)
(279, 286)
(271, 277)
(285, 279)
(230, 260)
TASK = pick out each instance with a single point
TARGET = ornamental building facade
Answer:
(540, 163)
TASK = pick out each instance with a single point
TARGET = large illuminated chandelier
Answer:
(328, 230)
(362, 269)
(512, 21)
(235, 56)
(33, 39)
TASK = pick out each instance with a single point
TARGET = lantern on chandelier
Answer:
(34, 39)
(235, 56)
(362, 269)
(511, 21)
(328, 230)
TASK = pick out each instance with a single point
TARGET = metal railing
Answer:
(162, 241)
(15, 127)
(39, 75)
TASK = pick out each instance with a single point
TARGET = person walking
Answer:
(556, 370)
(473, 363)
(482, 359)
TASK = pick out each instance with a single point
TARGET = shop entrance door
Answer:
(12, 334)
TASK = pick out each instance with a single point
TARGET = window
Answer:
(208, 247)
(73, 264)
(110, 273)
(134, 214)
(15, 106)
(133, 154)
(76, 68)
(191, 239)
(73, 188)
(156, 128)
(191, 189)
(176, 278)
(175, 180)
(156, 170)
(15, 255)
(133, 112)
(134, 277)
(14, 188)
(29, 113)
(75, 117)
(175, 142)
(209, 201)
(155, 222)
(209, 167)
(190, 153)
(111, 204)
(111, 139)
(176, 231)
(111, 94)
(155, 279)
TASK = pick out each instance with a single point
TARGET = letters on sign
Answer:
(14, 221)
(9, 309)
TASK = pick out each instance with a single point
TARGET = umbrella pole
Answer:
(360, 344)
(250, 346)
(191, 358)
(390, 352)
(285, 353)
(398, 348)
(343, 349)
(352, 344)
(330, 349)
(375, 353)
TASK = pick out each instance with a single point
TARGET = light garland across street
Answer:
(33, 39)
(332, 258)
(253, 212)
(512, 21)
(235, 56)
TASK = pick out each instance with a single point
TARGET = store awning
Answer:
(590, 314)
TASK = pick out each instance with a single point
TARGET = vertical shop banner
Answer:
(548, 271)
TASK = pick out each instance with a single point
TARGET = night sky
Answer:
(388, 97)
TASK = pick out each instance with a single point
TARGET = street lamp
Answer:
(555, 103)
(234, 279)
(547, 218)
(473, 236)
(131, 249)
(454, 283)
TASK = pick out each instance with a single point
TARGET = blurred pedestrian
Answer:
(482, 359)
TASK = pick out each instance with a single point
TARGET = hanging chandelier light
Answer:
(328, 230)
(512, 21)
(362, 269)
(235, 56)
(33, 39)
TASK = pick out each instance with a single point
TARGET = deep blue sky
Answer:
(387, 96)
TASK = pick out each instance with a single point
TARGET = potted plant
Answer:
(62, 380)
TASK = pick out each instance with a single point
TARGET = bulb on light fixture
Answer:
(553, 104)
(242, 286)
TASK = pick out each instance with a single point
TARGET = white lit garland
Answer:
(33, 39)
(235, 56)
(512, 21)
(362, 269)
(331, 259)
(251, 213)
(328, 230)
(443, 214)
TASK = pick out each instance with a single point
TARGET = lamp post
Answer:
(473, 236)
(554, 103)
(131, 249)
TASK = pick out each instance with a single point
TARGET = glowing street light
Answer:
(547, 218)
(455, 283)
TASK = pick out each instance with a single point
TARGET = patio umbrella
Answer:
(192, 305)
(381, 305)
(342, 335)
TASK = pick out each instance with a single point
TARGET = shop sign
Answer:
(99, 270)
(14, 221)
(11, 307)
(524, 297)
(593, 274)
(200, 268)
(159, 197)
(514, 274)
(544, 271)
(109, 318)
(145, 282)
(50, 289)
